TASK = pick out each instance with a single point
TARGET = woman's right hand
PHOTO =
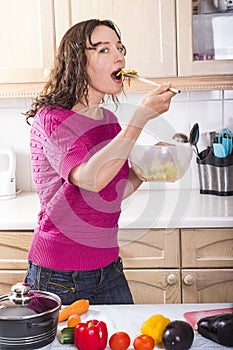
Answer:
(156, 101)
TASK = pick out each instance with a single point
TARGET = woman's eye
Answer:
(108, 50)
(122, 50)
(104, 50)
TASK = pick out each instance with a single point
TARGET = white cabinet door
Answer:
(147, 28)
(26, 40)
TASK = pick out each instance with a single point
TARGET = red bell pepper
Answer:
(92, 335)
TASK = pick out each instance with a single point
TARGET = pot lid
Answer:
(26, 303)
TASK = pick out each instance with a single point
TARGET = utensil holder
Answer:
(215, 174)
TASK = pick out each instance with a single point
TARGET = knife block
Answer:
(215, 174)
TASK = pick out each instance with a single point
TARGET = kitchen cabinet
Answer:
(177, 266)
(9, 278)
(207, 285)
(151, 261)
(185, 265)
(157, 33)
(195, 32)
(14, 247)
(148, 285)
(207, 265)
(27, 41)
(209, 248)
(149, 248)
(165, 52)
(141, 24)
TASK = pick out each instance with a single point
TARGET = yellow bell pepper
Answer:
(155, 326)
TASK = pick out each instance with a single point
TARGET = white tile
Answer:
(23, 173)
(12, 102)
(130, 98)
(183, 96)
(205, 95)
(228, 114)
(33, 187)
(208, 114)
(28, 103)
(14, 130)
(228, 94)
(178, 117)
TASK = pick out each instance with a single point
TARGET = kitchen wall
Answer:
(213, 110)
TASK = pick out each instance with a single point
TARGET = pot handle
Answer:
(41, 324)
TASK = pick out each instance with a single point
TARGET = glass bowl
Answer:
(160, 163)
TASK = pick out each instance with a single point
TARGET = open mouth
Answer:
(117, 75)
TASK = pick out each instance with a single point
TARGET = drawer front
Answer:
(154, 286)
(207, 247)
(14, 246)
(149, 248)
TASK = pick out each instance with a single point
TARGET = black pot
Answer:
(28, 319)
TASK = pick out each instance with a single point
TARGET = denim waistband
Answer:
(70, 272)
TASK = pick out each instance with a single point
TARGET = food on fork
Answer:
(133, 74)
(125, 73)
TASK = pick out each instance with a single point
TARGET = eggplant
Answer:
(218, 328)
(178, 335)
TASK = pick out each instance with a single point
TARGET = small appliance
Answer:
(7, 172)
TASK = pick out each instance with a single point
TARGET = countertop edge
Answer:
(201, 211)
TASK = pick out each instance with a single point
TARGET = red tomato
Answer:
(119, 341)
(144, 342)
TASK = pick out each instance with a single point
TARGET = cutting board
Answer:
(192, 317)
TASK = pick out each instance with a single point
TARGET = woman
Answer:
(79, 159)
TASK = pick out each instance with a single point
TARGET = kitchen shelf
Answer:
(202, 83)
(185, 84)
(20, 90)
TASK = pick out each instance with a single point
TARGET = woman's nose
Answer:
(118, 55)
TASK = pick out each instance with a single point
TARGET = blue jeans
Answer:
(107, 285)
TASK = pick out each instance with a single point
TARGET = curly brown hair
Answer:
(68, 81)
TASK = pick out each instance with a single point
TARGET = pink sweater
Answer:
(77, 229)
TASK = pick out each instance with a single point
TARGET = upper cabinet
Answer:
(204, 37)
(26, 40)
(161, 37)
(147, 28)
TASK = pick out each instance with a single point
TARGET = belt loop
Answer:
(74, 274)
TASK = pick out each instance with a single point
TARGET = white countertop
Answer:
(144, 209)
(129, 318)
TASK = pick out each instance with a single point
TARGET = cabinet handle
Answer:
(171, 279)
(189, 280)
